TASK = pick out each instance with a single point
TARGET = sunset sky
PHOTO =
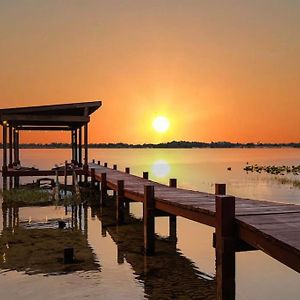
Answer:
(218, 70)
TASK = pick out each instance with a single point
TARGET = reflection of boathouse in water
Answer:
(38, 248)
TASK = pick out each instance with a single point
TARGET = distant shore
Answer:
(168, 145)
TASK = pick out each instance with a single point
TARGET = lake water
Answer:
(182, 271)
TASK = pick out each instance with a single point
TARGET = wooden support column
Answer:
(149, 222)
(145, 175)
(80, 146)
(15, 147)
(225, 247)
(76, 146)
(86, 158)
(86, 150)
(73, 145)
(172, 218)
(10, 146)
(93, 177)
(120, 202)
(103, 192)
(4, 167)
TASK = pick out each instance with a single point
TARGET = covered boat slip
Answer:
(73, 117)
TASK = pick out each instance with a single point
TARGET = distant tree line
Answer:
(173, 144)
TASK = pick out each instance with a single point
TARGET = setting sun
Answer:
(161, 124)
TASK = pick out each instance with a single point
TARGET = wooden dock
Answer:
(241, 224)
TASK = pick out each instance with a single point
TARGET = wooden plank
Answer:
(283, 246)
(48, 119)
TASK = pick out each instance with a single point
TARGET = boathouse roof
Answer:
(67, 115)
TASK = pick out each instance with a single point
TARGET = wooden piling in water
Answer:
(149, 222)
(93, 177)
(120, 202)
(225, 247)
(172, 218)
(103, 192)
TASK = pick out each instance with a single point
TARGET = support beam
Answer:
(120, 202)
(33, 119)
(76, 145)
(80, 146)
(225, 247)
(4, 167)
(86, 144)
(10, 146)
(149, 223)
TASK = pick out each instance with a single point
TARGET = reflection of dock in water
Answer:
(168, 274)
(39, 248)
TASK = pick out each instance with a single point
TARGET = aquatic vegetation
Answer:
(275, 170)
(283, 180)
(26, 197)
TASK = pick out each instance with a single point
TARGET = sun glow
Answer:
(161, 124)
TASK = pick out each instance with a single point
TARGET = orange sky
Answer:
(225, 70)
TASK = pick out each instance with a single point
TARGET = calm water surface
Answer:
(183, 271)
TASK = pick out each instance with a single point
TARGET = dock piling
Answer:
(149, 223)
(120, 202)
(225, 247)
(103, 193)
(172, 218)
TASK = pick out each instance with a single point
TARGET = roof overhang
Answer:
(50, 117)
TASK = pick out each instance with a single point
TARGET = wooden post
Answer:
(72, 145)
(98, 162)
(18, 146)
(220, 189)
(15, 147)
(120, 202)
(10, 146)
(225, 247)
(105, 164)
(93, 177)
(127, 170)
(4, 167)
(103, 193)
(80, 146)
(172, 218)
(149, 222)
(86, 158)
(76, 146)
(145, 175)
(66, 175)
(93, 161)
(115, 167)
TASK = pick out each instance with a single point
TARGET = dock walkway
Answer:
(264, 225)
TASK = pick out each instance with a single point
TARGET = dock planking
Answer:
(268, 226)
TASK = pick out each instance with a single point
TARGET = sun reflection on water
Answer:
(161, 168)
